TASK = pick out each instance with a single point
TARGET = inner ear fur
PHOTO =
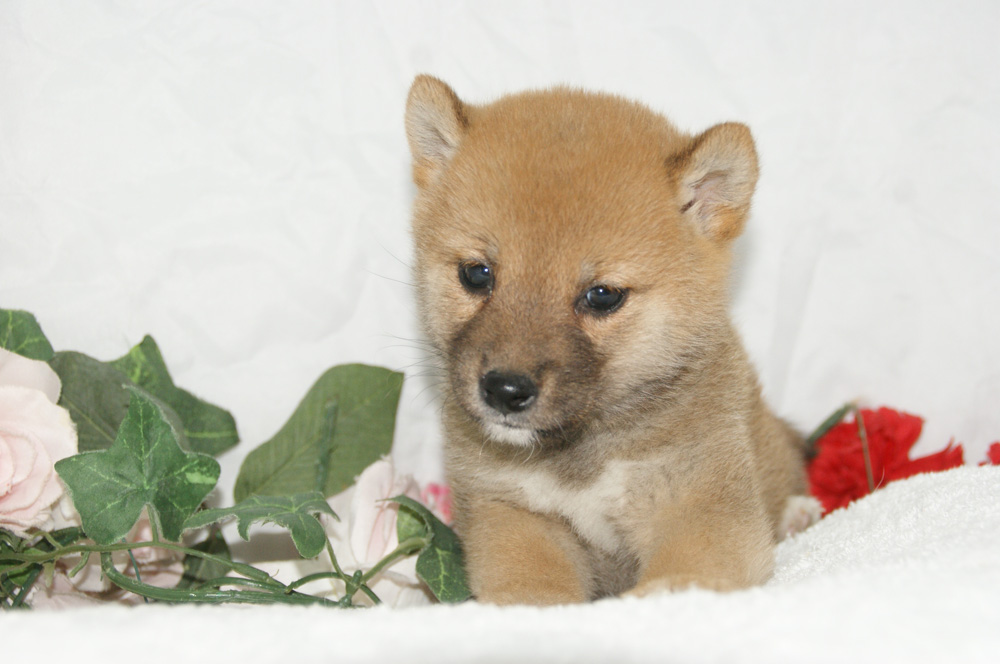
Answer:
(436, 121)
(715, 178)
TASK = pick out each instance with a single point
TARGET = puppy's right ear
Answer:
(436, 121)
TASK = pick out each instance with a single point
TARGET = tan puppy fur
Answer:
(604, 430)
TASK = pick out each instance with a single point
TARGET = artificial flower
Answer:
(364, 534)
(371, 516)
(838, 474)
(34, 434)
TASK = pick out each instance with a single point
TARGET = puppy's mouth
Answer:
(510, 434)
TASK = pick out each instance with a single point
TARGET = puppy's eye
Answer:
(476, 277)
(603, 299)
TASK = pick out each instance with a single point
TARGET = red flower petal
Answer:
(838, 474)
(992, 455)
(949, 457)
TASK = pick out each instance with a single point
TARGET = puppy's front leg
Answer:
(514, 556)
(709, 546)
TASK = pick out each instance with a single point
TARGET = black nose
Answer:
(508, 392)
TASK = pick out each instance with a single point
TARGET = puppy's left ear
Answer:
(436, 122)
(715, 179)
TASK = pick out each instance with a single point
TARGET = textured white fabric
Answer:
(232, 177)
(908, 574)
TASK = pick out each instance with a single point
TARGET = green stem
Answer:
(23, 593)
(352, 587)
(309, 578)
(79, 566)
(405, 548)
(338, 573)
(371, 594)
(266, 589)
(863, 435)
(221, 581)
(135, 568)
(333, 561)
(35, 556)
(269, 596)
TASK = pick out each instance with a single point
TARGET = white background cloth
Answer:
(232, 177)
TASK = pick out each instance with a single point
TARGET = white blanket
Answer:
(908, 574)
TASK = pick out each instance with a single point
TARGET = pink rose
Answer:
(372, 518)
(34, 434)
(365, 533)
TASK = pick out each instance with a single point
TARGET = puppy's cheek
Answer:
(446, 311)
(636, 348)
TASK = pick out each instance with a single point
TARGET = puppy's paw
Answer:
(529, 597)
(684, 582)
(800, 513)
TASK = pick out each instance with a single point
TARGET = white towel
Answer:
(908, 574)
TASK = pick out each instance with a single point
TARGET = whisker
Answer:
(394, 256)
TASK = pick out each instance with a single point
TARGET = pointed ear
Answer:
(715, 179)
(436, 121)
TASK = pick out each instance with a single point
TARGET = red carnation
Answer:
(992, 455)
(840, 474)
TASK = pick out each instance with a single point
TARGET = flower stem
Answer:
(309, 578)
(405, 548)
(36, 556)
(26, 588)
(863, 435)
(135, 568)
(272, 595)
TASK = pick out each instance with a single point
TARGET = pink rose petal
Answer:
(33, 374)
(6, 465)
(373, 519)
(32, 468)
(34, 434)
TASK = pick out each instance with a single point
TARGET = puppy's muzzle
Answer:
(508, 393)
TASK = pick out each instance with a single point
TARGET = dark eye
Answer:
(476, 277)
(603, 299)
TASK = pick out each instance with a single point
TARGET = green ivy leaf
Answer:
(20, 333)
(208, 428)
(409, 525)
(11, 581)
(95, 395)
(198, 570)
(343, 424)
(439, 565)
(295, 513)
(144, 466)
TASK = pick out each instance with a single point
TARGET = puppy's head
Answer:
(571, 252)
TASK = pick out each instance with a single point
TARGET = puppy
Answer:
(604, 430)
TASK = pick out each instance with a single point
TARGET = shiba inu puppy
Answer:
(604, 430)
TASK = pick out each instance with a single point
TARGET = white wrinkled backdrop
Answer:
(232, 177)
